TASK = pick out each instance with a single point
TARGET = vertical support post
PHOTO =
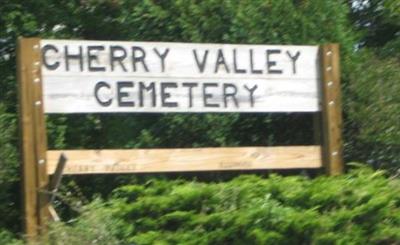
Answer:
(332, 145)
(40, 140)
(33, 135)
(25, 62)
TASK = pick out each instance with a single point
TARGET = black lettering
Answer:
(253, 71)
(294, 59)
(207, 96)
(94, 57)
(235, 68)
(231, 94)
(271, 63)
(138, 55)
(162, 57)
(201, 65)
(220, 61)
(117, 58)
(251, 93)
(165, 95)
(142, 88)
(121, 95)
(99, 86)
(69, 56)
(45, 49)
(190, 86)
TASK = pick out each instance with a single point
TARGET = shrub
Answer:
(94, 226)
(361, 207)
(8, 238)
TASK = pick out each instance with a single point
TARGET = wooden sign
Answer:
(100, 76)
(64, 76)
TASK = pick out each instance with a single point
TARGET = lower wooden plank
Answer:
(184, 160)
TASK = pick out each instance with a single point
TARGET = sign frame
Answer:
(36, 158)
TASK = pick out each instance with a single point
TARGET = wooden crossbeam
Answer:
(191, 159)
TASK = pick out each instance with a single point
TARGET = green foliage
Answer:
(362, 207)
(94, 226)
(379, 21)
(372, 104)
(8, 238)
(8, 154)
(377, 108)
(9, 170)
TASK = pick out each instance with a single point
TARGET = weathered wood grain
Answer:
(40, 138)
(181, 160)
(331, 110)
(283, 85)
(26, 71)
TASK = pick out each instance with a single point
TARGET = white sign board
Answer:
(109, 76)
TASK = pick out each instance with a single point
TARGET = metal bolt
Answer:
(329, 53)
(330, 83)
(36, 80)
(329, 68)
(334, 153)
(37, 63)
(41, 161)
(38, 103)
(331, 103)
(36, 46)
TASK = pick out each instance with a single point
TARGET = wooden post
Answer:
(40, 141)
(33, 135)
(332, 146)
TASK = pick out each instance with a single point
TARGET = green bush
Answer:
(361, 207)
(94, 226)
(8, 238)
